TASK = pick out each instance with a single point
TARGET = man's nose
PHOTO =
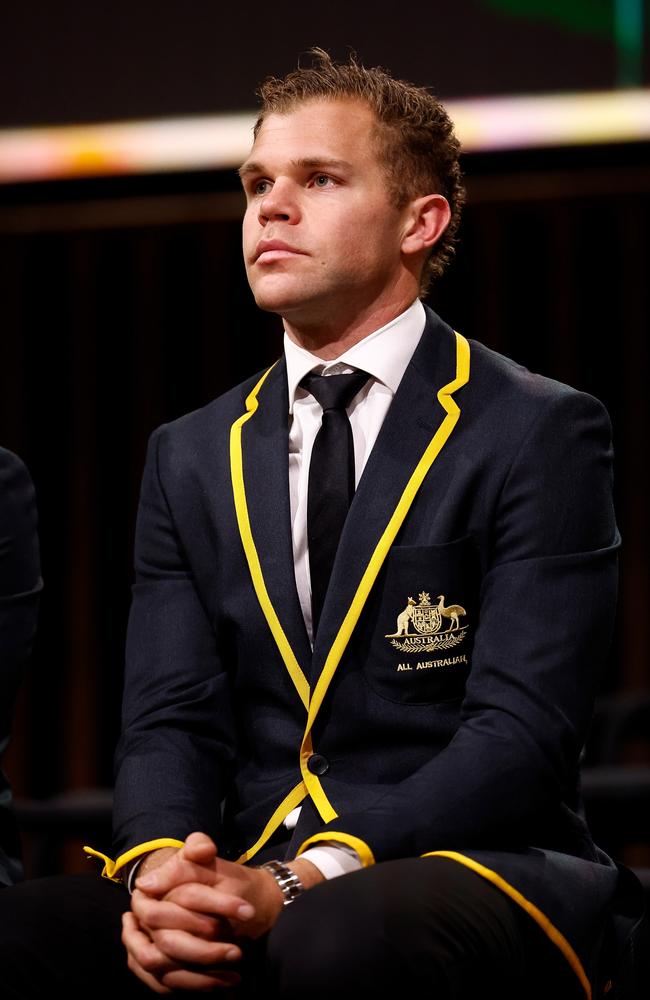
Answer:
(279, 203)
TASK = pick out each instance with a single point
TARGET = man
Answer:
(350, 765)
(20, 586)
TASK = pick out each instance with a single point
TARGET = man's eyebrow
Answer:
(249, 168)
(309, 162)
(322, 161)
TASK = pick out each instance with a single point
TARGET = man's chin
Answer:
(285, 301)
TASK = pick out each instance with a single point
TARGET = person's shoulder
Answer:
(15, 481)
(502, 382)
(19, 545)
(495, 380)
(12, 464)
(210, 424)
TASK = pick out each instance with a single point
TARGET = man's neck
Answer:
(329, 339)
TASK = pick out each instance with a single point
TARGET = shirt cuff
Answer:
(333, 859)
(132, 873)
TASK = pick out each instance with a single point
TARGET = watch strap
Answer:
(287, 879)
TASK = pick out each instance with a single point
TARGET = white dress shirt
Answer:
(385, 355)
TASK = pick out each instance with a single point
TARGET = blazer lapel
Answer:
(415, 417)
(264, 497)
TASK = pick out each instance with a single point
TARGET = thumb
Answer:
(194, 862)
(199, 848)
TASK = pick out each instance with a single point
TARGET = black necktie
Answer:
(331, 477)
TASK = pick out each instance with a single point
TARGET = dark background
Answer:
(76, 61)
(124, 303)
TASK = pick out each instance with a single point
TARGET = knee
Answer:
(354, 936)
(317, 946)
(421, 924)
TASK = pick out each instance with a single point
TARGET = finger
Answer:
(174, 872)
(154, 914)
(186, 949)
(157, 967)
(144, 957)
(145, 977)
(199, 848)
(211, 899)
(189, 979)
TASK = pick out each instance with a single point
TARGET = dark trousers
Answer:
(422, 927)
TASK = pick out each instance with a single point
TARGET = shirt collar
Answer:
(384, 354)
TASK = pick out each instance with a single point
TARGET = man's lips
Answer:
(268, 251)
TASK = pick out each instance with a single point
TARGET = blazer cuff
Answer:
(112, 868)
(366, 856)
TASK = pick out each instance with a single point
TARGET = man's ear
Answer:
(427, 219)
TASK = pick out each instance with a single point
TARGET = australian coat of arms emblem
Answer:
(420, 629)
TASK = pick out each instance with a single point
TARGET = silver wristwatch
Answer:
(286, 878)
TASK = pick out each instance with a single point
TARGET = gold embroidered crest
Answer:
(419, 626)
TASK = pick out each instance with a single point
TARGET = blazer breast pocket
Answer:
(416, 641)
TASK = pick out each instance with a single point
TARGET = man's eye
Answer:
(322, 180)
(261, 187)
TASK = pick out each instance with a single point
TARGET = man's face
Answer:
(320, 231)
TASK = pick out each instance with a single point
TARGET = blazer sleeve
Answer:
(175, 748)
(547, 606)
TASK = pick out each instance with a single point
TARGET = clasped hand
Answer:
(191, 915)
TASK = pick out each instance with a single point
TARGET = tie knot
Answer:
(334, 392)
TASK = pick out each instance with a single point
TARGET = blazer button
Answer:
(318, 764)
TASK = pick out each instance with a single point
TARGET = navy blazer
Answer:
(460, 647)
(20, 586)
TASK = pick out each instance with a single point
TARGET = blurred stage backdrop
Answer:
(124, 302)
